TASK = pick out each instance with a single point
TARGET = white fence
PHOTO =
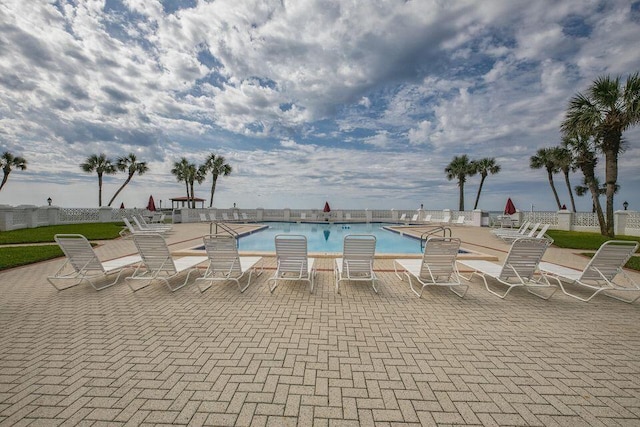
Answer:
(13, 218)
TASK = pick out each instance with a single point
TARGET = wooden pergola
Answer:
(181, 201)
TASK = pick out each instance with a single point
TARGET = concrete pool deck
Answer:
(293, 358)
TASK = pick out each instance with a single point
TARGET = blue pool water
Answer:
(329, 237)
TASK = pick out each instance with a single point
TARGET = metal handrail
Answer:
(223, 226)
(424, 236)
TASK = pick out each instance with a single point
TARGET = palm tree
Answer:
(544, 159)
(460, 168)
(564, 161)
(101, 165)
(605, 112)
(182, 171)
(484, 167)
(7, 162)
(130, 164)
(217, 166)
(585, 159)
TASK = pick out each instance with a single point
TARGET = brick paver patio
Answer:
(295, 358)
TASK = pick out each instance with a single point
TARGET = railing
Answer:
(13, 218)
(424, 236)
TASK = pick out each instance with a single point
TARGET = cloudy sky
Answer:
(362, 104)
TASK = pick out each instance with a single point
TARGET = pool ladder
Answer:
(433, 231)
(224, 227)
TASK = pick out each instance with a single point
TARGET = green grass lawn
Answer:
(23, 255)
(590, 241)
(92, 231)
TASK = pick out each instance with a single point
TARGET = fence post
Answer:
(476, 218)
(6, 218)
(565, 220)
(620, 222)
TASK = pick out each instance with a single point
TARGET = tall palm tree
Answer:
(606, 110)
(460, 168)
(182, 171)
(218, 167)
(99, 164)
(130, 164)
(485, 167)
(544, 159)
(7, 162)
(564, 161)
(586, 160)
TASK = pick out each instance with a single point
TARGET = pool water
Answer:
(329, 237)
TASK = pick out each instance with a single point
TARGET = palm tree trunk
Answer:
(553, 188)
(193, 197)
(4, 180)
(120, 189)
(99, 190)
(566, 180)
(475, 206)
(595, 195)
(611, 177)
(213, 189)
(461, 204)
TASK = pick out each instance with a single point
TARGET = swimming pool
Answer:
(329, 237)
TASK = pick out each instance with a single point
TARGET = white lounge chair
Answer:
(82, 264)
(599, 274)
(225, 263)
(157, 263)
(132, 230)
(527, 233)
(356, 263)
(501, 231)
(436, 268)
(518, 268)
(293, 263)
(143, 225)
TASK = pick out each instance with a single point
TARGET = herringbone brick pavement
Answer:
(293, 358)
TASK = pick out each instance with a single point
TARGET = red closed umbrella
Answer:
(151, 206)
(326, 207)
(510, 208)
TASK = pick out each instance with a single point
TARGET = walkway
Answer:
(292, 358)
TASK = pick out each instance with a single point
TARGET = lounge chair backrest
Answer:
(523, 258)
(291, 253)
(543, 230)
(533, 230)
(154, 252)
(79, 252)
(609, 260)
(222, 250)
(358, 253)
(439, 258)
